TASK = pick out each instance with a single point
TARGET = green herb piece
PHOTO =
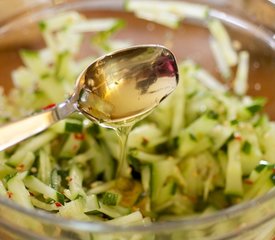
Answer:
(193, 137)
(246, 148)
(260, 167)
(234, 122)
(257, 105)
(212, 115)
(110, 198)
(73, 127)
(60, 198)
(42, 26)
(93, 130)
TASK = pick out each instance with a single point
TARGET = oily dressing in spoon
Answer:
(116, 93)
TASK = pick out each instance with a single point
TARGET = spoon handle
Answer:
(14, 132)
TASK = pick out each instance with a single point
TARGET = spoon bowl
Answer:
(115, 89)
(126, 84)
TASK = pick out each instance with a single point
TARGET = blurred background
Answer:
(261, 11)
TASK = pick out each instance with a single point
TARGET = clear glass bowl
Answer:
(252, 220)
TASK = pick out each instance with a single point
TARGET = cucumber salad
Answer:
(205, 148)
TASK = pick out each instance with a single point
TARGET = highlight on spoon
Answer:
(126, 84)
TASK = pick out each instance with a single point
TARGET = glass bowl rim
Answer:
(102, 227)
(98, 227)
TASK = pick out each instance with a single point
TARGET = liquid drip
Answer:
(123, 169)
(121, 89)
(123, 130)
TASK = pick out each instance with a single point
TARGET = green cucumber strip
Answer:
(18, 192)
(165, 18)
(233, 182)
(34, 184)
(62, 66)
(102, 160)
(53, 90)
(145, 157)
(221, 62)
(5, 170)
(24, 163)
(256, 105)
(113, 211)
(251, 153)
(262, 181)
(102, 38)
(222, 37)
(167, 192)
(178, 120)
(74, 209)
(42, 205)
(142, 136)
(32, 61)
(75, 182)
(91, 203)
(145, 177)
(209, 81)
(44, 167)
(84, 157)
(23, 78)
(189, 170)
(268, 141)
(34, 144)
(60, 21)
(160, 171)
(180, 9)
(219, 135)
(101, 188)
(255, 173)
(201, 130)
(97, 25)
(55, 179)
(72, 145)
(240, 83)
(127, 220)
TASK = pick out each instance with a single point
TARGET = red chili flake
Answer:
(52, 105)
(192, 199)
(237, 136)
(248, 181)
(144, 141)
(79, 136)
(273, 170)
(9, 194)
(20, 167)
(69, 179)
(58, 204)
(31, 194)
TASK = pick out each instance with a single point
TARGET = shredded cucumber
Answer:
(179, 9)
(18, 191)
(195, 154)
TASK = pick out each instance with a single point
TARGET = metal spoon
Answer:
(115, 89)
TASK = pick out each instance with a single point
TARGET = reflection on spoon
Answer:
(122, 88)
